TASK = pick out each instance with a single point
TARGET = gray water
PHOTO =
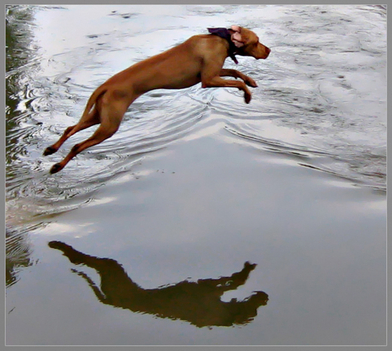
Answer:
(321, 101)
(322, 93)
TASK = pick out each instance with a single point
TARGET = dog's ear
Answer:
(236, 37)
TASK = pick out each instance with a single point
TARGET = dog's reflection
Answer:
(196, 302)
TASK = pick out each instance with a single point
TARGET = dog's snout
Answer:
(267, 51)
(263, 53)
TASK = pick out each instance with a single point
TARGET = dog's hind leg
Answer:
(111, 116)
(91, 119)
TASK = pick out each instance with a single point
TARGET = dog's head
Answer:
(247, 43)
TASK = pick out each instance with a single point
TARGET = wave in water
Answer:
(322, 94)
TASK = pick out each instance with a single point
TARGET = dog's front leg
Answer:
(237, 74)
(210, 78)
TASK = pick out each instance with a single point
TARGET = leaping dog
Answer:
(198, 59)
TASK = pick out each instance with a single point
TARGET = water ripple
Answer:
(325, 82)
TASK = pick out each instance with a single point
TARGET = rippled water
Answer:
(322, 92)
(321, 98)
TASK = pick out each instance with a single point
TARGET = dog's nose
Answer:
(268, 50)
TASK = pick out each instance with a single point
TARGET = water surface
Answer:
(196, 183)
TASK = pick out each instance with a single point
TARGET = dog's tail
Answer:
(93, 98)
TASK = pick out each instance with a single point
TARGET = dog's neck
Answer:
(225, 34)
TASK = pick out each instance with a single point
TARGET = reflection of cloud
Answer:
(197, 302)
(61, 228)
(103, 200)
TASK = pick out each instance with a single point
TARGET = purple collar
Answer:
(225, 34)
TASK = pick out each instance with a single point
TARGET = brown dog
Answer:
(199, 59)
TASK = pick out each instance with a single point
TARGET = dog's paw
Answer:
(251, 82)
(56, 168)
(49, 150)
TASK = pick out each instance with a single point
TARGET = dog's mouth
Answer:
(267, 52)
(263, 54)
